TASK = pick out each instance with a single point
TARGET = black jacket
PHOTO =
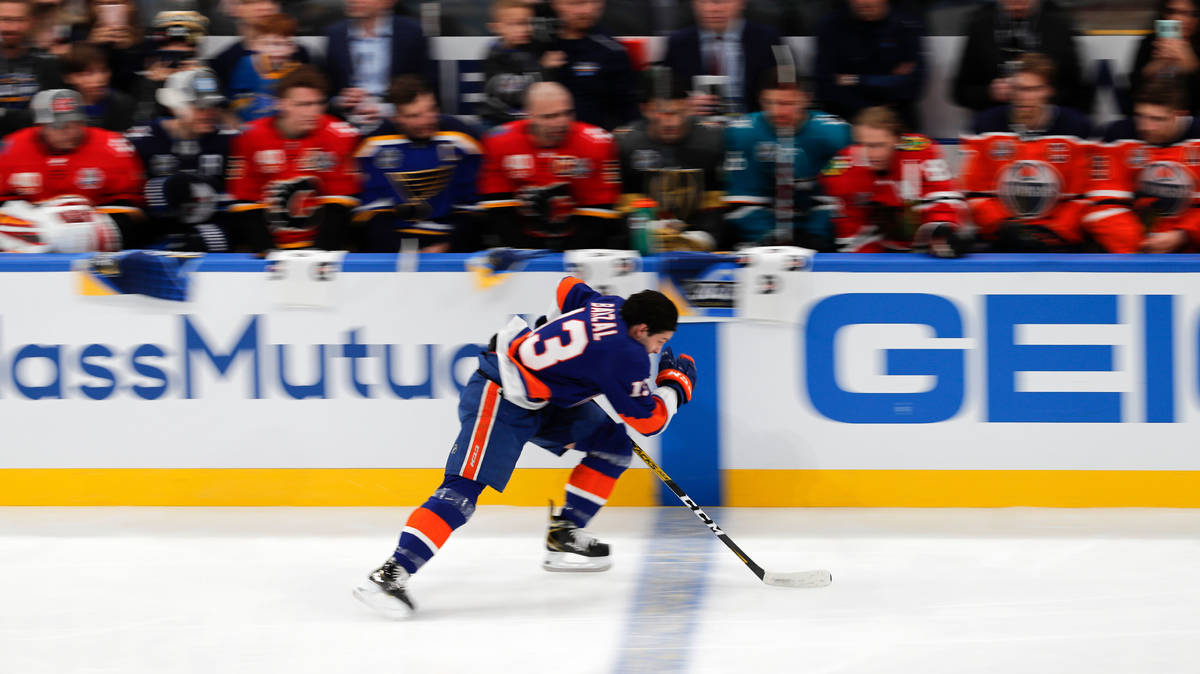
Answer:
(600, 77)
(993, 41)
(871, 50)
(684, 57)
(1145, 54)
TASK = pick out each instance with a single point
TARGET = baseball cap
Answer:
(57, 106)
(197, 87)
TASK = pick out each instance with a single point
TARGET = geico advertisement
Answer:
(970, 370)
(231, 379)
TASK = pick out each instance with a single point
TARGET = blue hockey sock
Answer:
(429, 526)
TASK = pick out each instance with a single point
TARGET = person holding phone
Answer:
(1171, 48)
(115, 27)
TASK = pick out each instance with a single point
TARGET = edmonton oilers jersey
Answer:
(162, 155)
(440, 172)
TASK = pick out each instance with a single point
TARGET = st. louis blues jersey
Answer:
(251, 86)
(438, 175)
(752, 145)
(205, 157)
(587, 351)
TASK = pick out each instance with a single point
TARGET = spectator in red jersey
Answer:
(552, 182)
(63, 156)
(292, 175)
(894, 191)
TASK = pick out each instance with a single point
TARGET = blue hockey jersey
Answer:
(252, 84)
(751, 144)
(439, 172)
(587, 351)
(162, 155)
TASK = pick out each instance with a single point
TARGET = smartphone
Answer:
(1168, 29)
(112, 14)
(713, 85)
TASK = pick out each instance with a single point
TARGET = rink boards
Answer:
(897, 382)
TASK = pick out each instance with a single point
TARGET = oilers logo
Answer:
(1029, 189)
(1169, 186)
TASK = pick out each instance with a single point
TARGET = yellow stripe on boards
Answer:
(962, 488)
(283, 487)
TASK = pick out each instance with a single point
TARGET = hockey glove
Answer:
(183, 196)
(678, 373)
(287, 201)
(548, 204)
(942, 239)
(1015, 236)
(412, 211)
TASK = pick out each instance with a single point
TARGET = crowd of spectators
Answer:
(729, 140)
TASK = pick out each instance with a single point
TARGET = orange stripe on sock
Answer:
(592, 481)
(427, 522)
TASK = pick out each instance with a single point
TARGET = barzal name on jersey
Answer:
(884, 211)
(583, 353)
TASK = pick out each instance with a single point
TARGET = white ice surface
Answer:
(225, 590)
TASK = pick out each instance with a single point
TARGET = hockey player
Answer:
(62, 156)
(419, 173)
(674, 159)
(292, 176)
(185, 158)
(1026, 195)
(537, 386)
(752, 166)
(894, 192)
(549, 181)
(1146, 175)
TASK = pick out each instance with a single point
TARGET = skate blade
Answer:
(382, 602)
(569, 562)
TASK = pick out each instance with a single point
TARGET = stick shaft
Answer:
(687, 501)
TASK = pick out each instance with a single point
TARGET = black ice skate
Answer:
(385, 591)
(569, 548)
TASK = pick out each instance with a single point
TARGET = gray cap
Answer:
(57, 106)
(197, 87)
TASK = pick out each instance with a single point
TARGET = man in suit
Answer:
(723, 43)
(368, 50)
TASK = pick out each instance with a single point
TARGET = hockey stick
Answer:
(816, 578)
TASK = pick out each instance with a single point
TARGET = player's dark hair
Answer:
(303, 77)
(652, 308)
(1170, 92)
(407, 88)
(660, 83)
(81, 57)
